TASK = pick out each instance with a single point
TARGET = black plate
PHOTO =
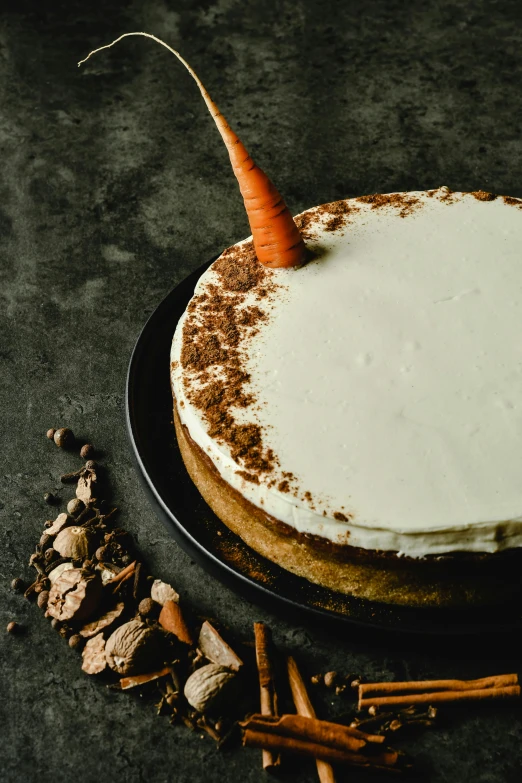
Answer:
(210, 543)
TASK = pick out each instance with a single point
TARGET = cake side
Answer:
(456, 581)
(253, 374)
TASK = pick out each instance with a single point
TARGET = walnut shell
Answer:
(204, 688)
(75, 542)
(134, 647)
(93, 655)
(74, 596)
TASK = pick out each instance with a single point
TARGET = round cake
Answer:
(358, 420)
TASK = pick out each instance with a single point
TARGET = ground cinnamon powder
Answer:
(217, 326)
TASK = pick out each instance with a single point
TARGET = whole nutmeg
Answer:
(74, 595)
(43, 598)
(50, 433)
(63, 437)
(75, 507)
(205, 688)
(75, 542)
(134, 647)
(87, 451)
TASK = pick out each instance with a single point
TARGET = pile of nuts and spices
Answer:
(134, 634)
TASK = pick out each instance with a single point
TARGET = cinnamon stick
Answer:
(172, 620)
(328, 742)
(268, 695)
(141, 679)
(424, 686)
(123, 575)
(304, 706)
(510, 692)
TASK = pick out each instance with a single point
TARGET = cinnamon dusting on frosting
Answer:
(406, 203)
(218, 323)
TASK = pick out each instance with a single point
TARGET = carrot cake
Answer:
(358, 419)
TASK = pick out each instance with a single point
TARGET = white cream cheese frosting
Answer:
(387, 377)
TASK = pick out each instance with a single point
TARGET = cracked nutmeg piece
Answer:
(206, 687)
(75, 542)
(74, 595)
(134, 647)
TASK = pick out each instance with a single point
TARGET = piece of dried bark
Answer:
(93, 655)
(74, 595)
(107, 619)
(142, 679)
(85, 489)
(62, 521)
(171, 619)
(213, 647)
(162, 592)
(133, 647)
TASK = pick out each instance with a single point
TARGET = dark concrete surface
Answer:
(114, 185)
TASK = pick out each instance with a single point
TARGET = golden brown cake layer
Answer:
(456, 581)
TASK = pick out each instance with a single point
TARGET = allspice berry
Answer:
(50, 498)
(18, 585)
(146, 606)
(330, 679)
(55, 624)
(76, 641)
(87, 451)
(91, 465)
(43, 597)
(13, 627)
(64, 437)
(75, 507)
(50, 433)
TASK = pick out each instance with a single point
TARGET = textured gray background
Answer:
(114, 185)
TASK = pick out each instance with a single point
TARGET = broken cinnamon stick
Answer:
(424, 686)
(123, 575)
(268, 695)
(141, 679)
(442, 697)
(329, 742)
(172, 620)
(304, 706)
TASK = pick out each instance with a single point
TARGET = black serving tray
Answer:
(210, 543)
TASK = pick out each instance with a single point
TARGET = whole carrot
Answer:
(277, 240)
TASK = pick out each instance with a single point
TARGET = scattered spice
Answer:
(50, 433)
(147, 607)
(75, 507)
(50, 498)
(268, 693)
(94, 660)
(161, 592)
(13, 627)
(18, 585)
(63, 437)
(87, 451)
(76, 641)
(206, 688)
